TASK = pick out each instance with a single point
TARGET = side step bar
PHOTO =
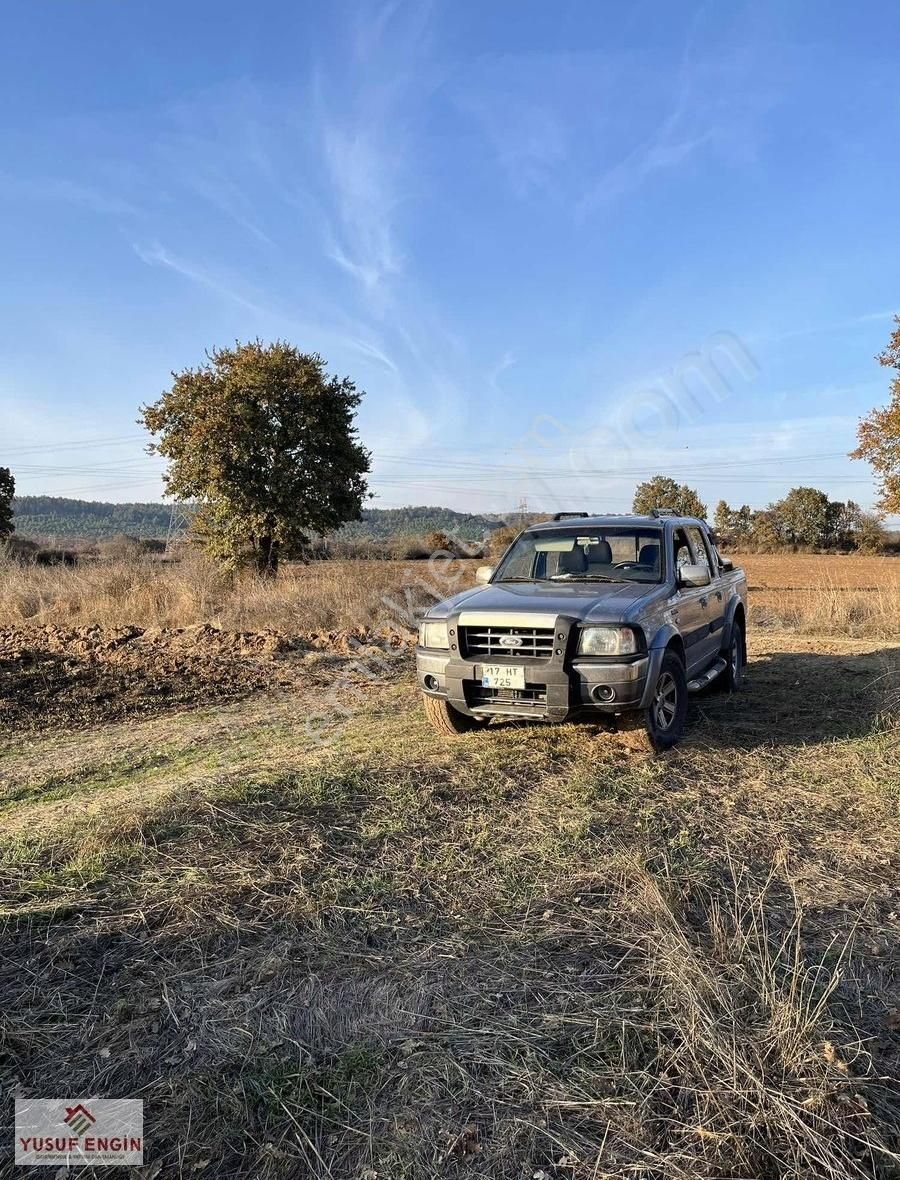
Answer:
(707, 677)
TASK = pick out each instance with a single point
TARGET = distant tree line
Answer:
(54, 516)
(7, 492)
(805, 519)
(84, 520)
(382, 523)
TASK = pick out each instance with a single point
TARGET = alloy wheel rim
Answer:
(665, 701)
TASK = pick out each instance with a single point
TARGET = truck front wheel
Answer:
(447, 720)
(661, 724)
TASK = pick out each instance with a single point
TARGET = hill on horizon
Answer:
(93, 520)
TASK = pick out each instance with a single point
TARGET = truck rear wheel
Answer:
(447, 720)
(661, 724)
(732, 679)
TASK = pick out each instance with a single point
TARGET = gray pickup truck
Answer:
(586, 616)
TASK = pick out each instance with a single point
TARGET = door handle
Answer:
(719, 595)
(704, 601)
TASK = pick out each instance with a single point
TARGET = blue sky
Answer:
(561, 246)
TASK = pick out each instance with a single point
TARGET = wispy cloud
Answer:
(530, 140)
(590, 127)
(365, 136)
(56, 189)
(830, 328)
(876, 316)
(226, 196)
(156, 255)
(363, 243)
(661, 152)
(669, 145)
(215, 148)
(507, 361)
(345, 335)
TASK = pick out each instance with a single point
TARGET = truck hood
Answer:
(597, 601)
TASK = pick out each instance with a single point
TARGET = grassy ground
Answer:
(380, 955)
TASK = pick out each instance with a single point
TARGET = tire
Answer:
(732, 679)
(446, 720)
(661, 724)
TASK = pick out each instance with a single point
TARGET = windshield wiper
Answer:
(583, 578)
(502, 580)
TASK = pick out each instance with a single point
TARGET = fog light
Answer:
(431, 683)
(603, 692)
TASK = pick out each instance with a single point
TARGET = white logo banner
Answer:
(77, 1131)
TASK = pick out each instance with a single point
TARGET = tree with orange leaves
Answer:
(879, 433)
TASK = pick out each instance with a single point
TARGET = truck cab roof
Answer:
(611, 521)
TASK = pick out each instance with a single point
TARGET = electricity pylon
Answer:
(179, 522)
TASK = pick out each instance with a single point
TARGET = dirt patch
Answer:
(54, 676)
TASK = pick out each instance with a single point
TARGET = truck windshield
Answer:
(615, 554)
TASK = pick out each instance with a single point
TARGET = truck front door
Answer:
(692, 605)
(711, 599)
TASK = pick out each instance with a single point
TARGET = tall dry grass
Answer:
(325, 595)
(828, 609)
(751, 1076)
(146, 592)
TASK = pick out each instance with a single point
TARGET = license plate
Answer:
(502, 676)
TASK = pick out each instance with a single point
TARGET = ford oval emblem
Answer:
(510, 641)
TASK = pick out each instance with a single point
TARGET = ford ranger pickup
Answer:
(615, 617)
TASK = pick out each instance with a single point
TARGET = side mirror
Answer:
(726, 563)
(693, 575)
(483, 574)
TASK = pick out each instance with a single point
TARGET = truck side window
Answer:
(682, 548)
(701, 555)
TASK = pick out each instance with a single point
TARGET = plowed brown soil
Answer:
(81, 676)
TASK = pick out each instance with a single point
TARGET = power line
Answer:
(140, 474)
(494, 471)
(120, 440)
(806, 479)
(517, 472)
(103, 487)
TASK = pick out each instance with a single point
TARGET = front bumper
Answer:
(557, 688)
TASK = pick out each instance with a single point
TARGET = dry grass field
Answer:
(240, 879)
(798, 571)
(838, 594)
(845, 594)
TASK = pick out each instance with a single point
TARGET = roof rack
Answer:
(567, 515)
(658, 512)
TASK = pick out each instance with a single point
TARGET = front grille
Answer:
(533, 697)
(535, 642)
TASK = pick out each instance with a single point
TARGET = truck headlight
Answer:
(607, 641)
(433, 635)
